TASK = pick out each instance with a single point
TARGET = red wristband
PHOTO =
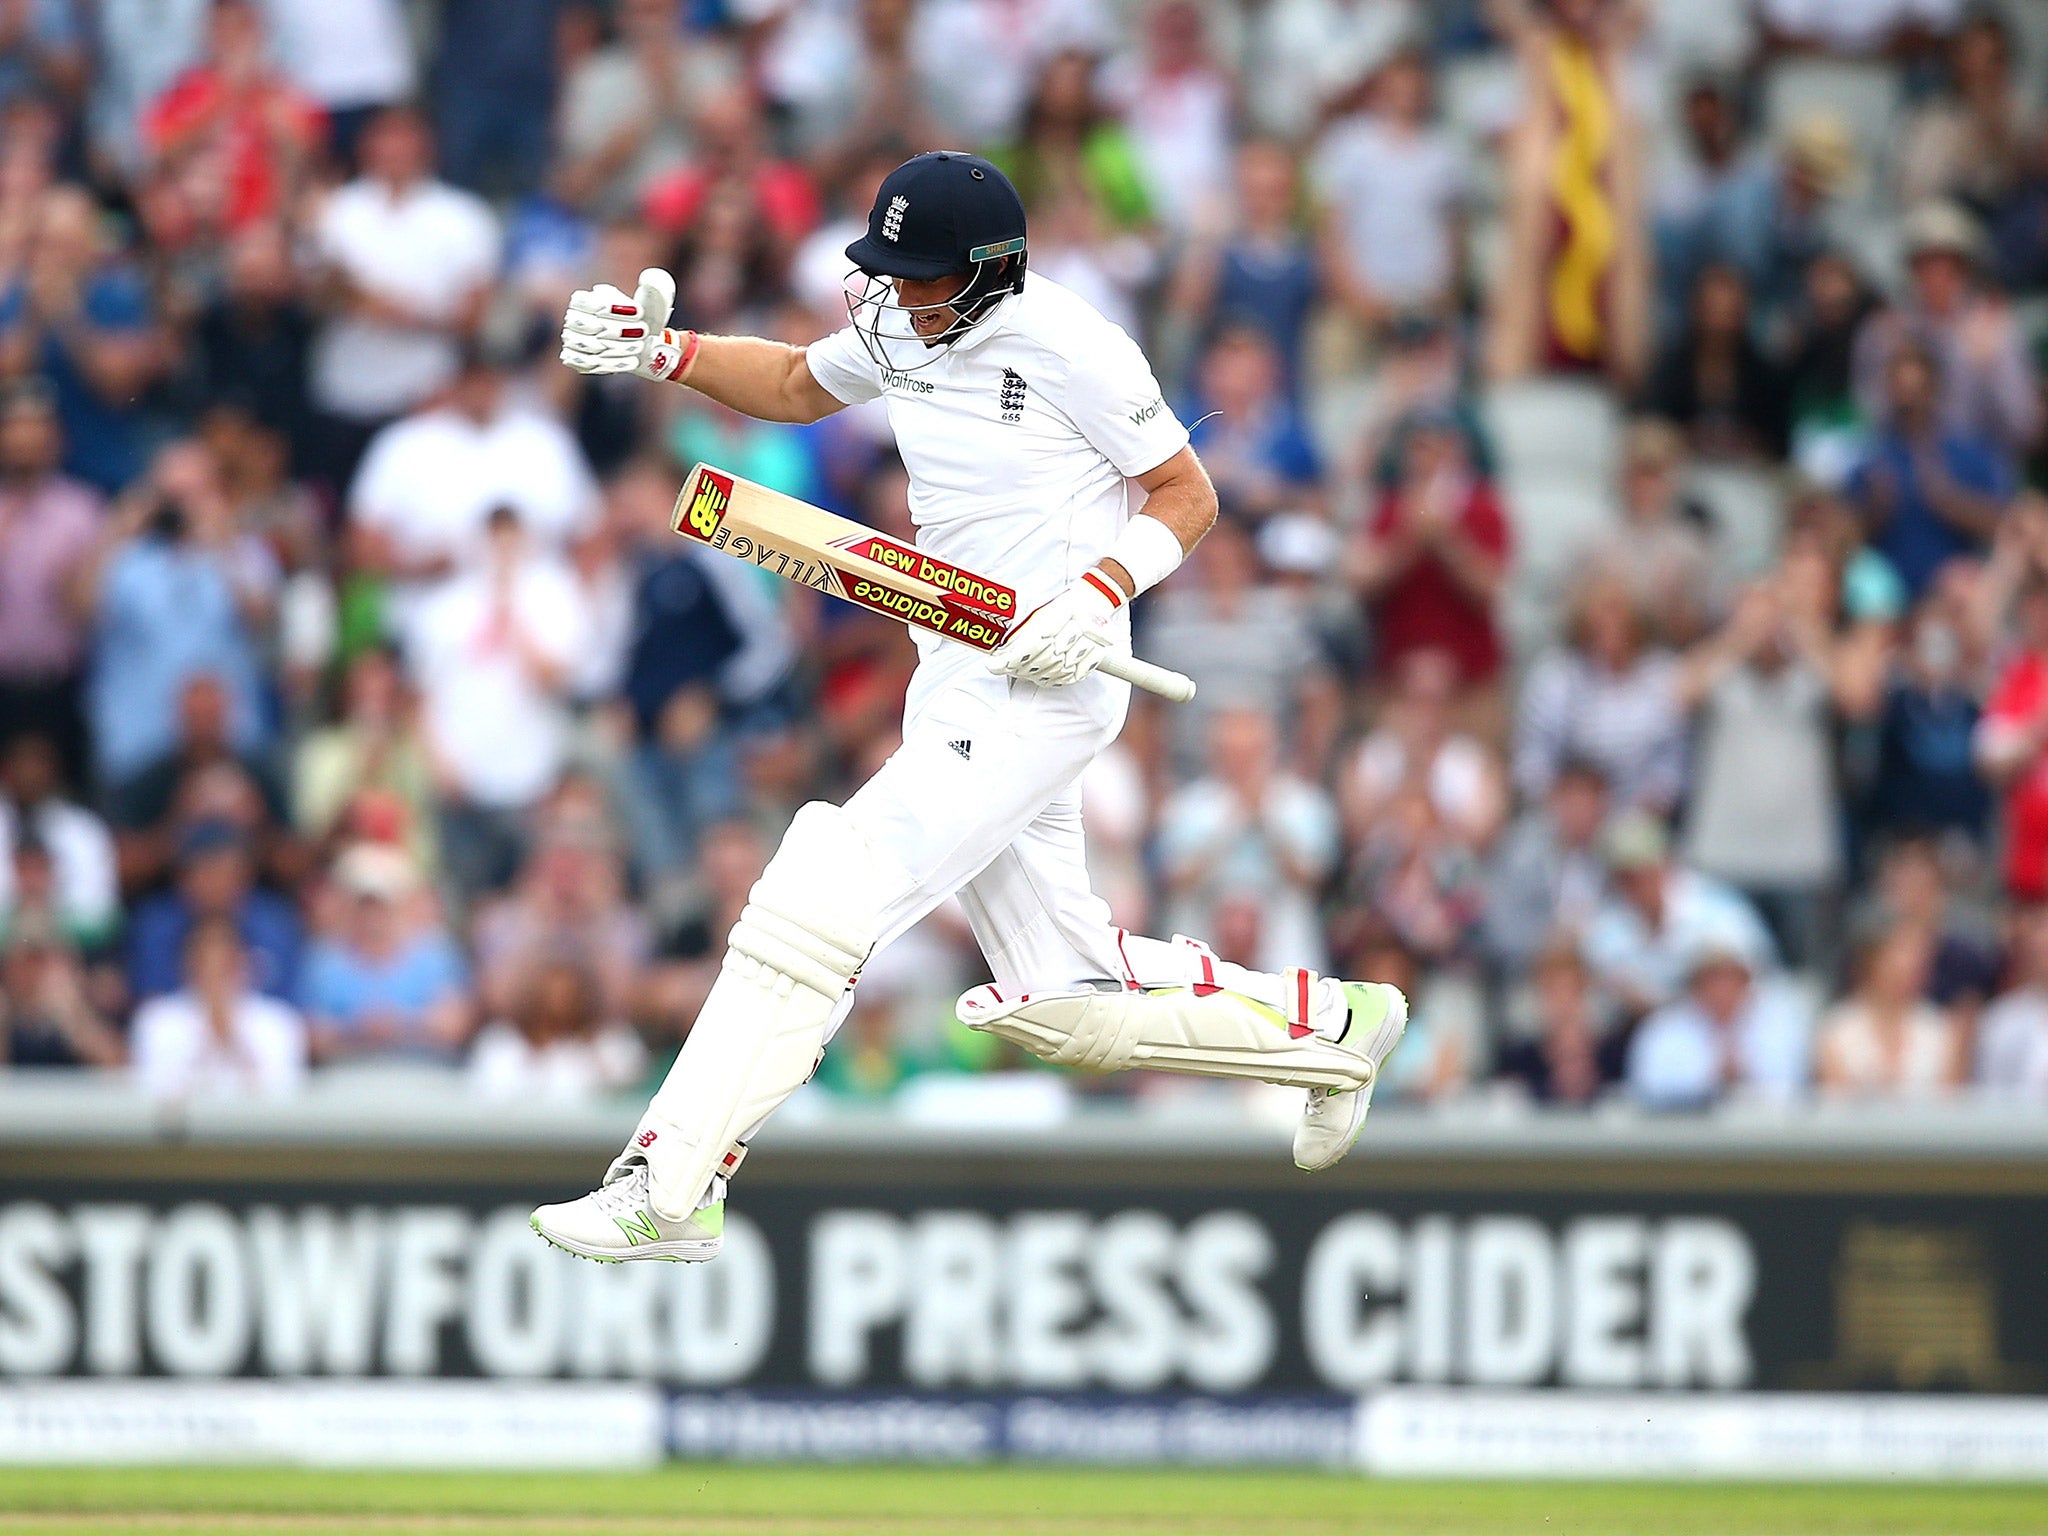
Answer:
(1108, 588)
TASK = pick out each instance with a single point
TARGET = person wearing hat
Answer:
(1926, 492)
(1987, 380)
(1641, 941)
(1771, 220)
(1732, 1033)
(389, 981)
(1022, 416)
(1666, 558)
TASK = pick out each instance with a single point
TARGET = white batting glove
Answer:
(1064, 638)
(608, 331)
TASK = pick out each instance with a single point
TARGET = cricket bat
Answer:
(816, 548)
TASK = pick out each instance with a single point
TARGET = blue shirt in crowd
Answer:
(1915, 539)
(270, 929)
(105, 444)
(347, 988)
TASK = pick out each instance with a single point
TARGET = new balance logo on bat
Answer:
(964, 748)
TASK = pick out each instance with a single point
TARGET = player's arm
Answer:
(1180, 496)
(609, 331)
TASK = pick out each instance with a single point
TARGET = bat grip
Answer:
(1164, 681)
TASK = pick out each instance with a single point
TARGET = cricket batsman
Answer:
(1021, 415)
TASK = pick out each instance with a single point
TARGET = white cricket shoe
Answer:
(616, 1222)
(1334, 1117)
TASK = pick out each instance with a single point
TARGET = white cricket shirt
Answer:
(1020, 438)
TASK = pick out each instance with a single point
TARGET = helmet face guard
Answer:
(886, 326)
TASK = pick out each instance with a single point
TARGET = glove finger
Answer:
(589, 324)
(611, 297)
(598, 346)
(655, 297)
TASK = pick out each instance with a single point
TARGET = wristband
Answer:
(685, 344)
(1149, 550)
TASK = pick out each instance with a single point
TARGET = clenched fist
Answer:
(608, 331)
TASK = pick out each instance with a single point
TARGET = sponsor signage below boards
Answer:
(1080, 1289)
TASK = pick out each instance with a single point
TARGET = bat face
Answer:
(816, 548)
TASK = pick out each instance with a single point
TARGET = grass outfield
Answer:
(863, 1501)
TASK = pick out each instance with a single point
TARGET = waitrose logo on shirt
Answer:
(895, 380)
(1145, 413)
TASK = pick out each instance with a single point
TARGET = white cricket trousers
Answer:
(983, 800)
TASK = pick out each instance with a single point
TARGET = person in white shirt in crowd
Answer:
(626, 109)
(1304, 53)
(2012, 1040)
(87, 894)
(1642, 941)
(1733, 1034)
(558, 1045)
(492, 651)
(428, 483)
(1178, 103)
(218, 1037)
(1417, 744)
(1393, 190)
(409, 262)
(1885, 1040)
(351, 56)
(1249, 826)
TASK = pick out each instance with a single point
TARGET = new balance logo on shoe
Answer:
(639, 1228)
(964, 748)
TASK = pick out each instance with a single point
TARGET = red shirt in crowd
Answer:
(250, 128)
(1425, 608)
(782, 193)
(2019, 700)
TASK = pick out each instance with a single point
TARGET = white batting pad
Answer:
(1210, 1032)
(813, 917)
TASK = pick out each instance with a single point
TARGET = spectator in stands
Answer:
(1885, 1040)
(1417, 745)
(1258, 268)
(202, 777)
(1433, 560)
(2012, 747)
(494, 71)
(139, 48)
(1715, 381)
(353, 57)
(1575, 1055)
(1926, 493)
(1244, 641)
(47, 1014)
(707, 648)
(491, 651)
(42, 53)
(1820, 378)
(1574, 290)
(1071, 145)
(409, 260)
(2012, 1046)
(1730, 1035)
(85, 892)
(49, 525)
(626, 109)
(1969, 143)
(1926, 775)
(866, 82)
(766, 203)
(1607, 696)
(1643, 940)
(1548, 874)
(570, 902)
(216, 878)
(1255, 443)
(216, 1037)
(1665, 555)
(1986, 393)
(369, 774)
(1915, 888)
(1770, 221)
(233, 122)
(175, 593)
(388, 981)
(1773, 687)
(1707, 161)
(1177, 101)
(1413, 871)
(1392, 188)
(78, 312)
(558, 1046)
(1249, 826)
(252, 342)
(1307, 57)
(429, 483)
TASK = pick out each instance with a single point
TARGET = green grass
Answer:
(875, 1501)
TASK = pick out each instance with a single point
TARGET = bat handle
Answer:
(1151, 677)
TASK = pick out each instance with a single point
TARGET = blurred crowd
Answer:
(1627, 629)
